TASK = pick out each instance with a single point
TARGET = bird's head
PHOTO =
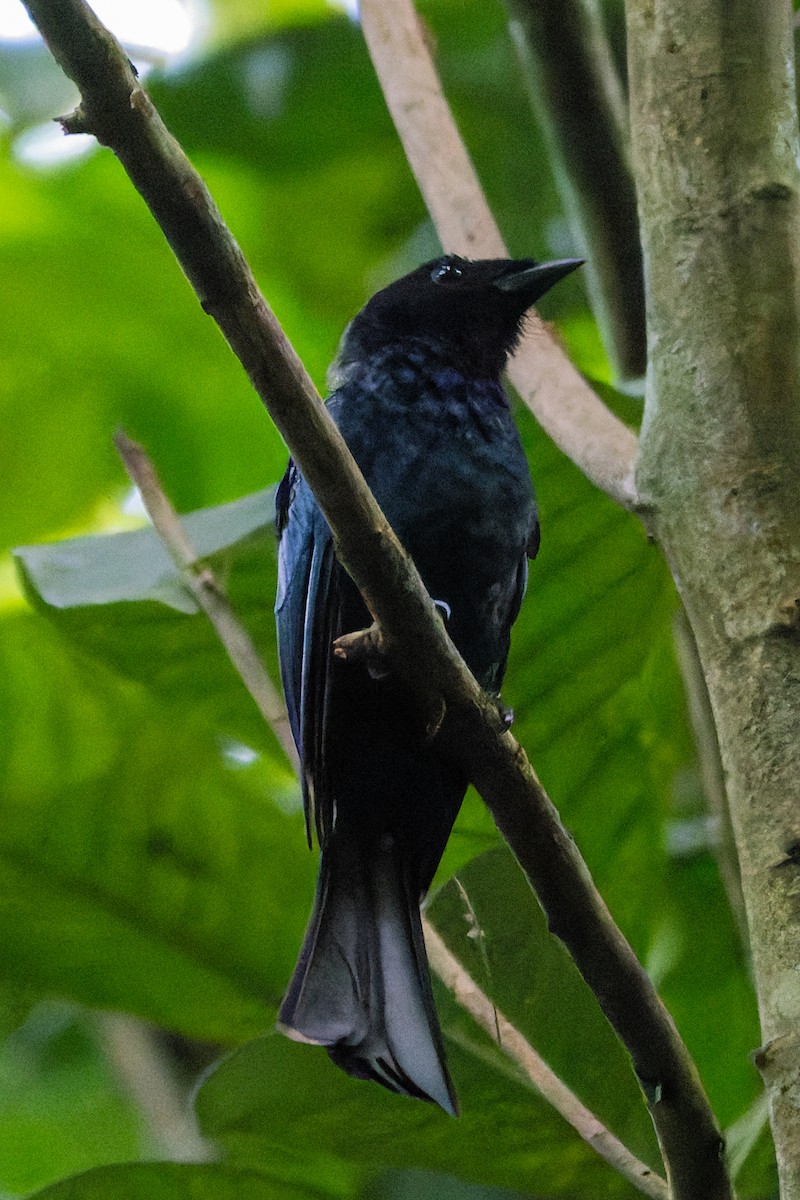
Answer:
(473, 309)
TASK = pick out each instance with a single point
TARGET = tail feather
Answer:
(361, 986)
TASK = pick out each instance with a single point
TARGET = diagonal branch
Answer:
(208, 593)
(244, 657)
(118, 112)
(558, 396)
(543, 1078)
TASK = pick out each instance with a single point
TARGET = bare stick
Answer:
(543, 1078)
(360, 646)
(143, 1071)
(472, 732)
(211, 598)
(558, 396)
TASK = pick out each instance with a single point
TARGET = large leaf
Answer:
(121, 600)
(495, 928)
(594, 685)
(275, 1100)
(175, 1181)
(80, 1118)
(140, 868)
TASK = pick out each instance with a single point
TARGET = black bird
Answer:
(419, 401)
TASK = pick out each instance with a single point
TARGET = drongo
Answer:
(419, 400)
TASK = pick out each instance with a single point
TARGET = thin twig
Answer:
(115, 108)
(543, 1078)
(210, 597)
(223, 618)
(560, 399)
(140, 1066)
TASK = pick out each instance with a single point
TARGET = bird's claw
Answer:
(444, 610)
(365, 646)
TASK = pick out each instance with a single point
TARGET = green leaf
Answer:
(706, 984)
(428, 1185)
(120, 599)
(61, 1109)
(274, 1100)
(594, 687)
(140, 868)
(80, 572)
(493, 924)
(176, 1181)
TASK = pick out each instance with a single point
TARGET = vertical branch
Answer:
(578, 103)
(142, 1070)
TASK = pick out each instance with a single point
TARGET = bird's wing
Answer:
(307, 612)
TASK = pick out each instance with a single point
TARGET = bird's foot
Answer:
(505, 713)
(364, 646)
(444, 610)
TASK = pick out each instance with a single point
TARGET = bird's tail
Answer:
(361, 986)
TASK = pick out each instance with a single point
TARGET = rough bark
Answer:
(715, 144)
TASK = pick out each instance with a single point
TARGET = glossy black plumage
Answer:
(419, 401)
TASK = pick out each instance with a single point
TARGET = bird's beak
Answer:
(533, 282)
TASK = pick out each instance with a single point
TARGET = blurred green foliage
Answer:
(152, 851)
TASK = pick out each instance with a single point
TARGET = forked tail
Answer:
(361, 985)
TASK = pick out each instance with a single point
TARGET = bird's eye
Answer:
(446, 270)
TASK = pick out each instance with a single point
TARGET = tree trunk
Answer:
(715, 148)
